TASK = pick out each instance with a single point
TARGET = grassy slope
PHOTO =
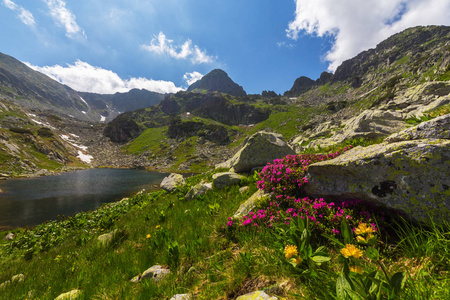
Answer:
(189, 237)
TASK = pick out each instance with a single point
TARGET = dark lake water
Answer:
(32, 201)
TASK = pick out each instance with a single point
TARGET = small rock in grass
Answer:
(181, 297)
(73, 294)
(222, 180)
(107, 238)
(155, 273)
(258, 295)
(10, 236)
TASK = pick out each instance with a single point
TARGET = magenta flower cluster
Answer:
(285, 180)
(324, 216)
(286, 176)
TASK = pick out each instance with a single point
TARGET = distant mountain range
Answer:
(34, 90)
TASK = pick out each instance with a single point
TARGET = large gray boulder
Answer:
(171, 182)
(412, 176)
(258, 150)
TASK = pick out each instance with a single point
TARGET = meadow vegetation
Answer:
(289, 245)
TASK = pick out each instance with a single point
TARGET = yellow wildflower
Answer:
(148, 236)
(363, 228)
(157, 227)
(356, 269)
(360, 239)
(351, 251)
(297, 260)
(290, 251)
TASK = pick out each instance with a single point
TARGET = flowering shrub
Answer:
(286, 176)
(323, 216)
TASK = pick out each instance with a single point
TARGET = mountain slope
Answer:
(31, 89)
(217, 81)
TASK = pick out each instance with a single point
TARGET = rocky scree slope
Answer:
(30, 145)
(375, 94)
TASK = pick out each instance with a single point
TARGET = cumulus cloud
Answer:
(190, 78)
(358, 25)
(64, 17)
(24, 15)
(163, 46)
(83, 77)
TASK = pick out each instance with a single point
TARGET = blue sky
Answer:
(163, 45)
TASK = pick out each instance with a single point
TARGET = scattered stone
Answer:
(250, 204)
(258, 295)
(244, 189)
(198, 190)
(172, 181)
(73, 294)
(181, 297)
(107, 238)
(258, 150)
(18, 278)
(9, 237)
(222, 180)
(5, 284)
(15, 279)
(155, 273)
(411, 176)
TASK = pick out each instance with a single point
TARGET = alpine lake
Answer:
(31, 201)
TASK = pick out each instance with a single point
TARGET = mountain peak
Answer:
(217, 80)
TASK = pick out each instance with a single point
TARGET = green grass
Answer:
(150, 140)
(206, 258)
(287, 123)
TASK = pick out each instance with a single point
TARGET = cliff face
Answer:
(217, 81)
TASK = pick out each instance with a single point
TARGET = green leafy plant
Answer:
(359, 282)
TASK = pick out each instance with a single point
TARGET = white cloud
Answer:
(83, 77)
(24, 15)
(163, 46)
(359, 25)
(64, 17)
(190, 78)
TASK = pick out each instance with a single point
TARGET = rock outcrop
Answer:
(258, 150)
(438, 128)
(411, 176)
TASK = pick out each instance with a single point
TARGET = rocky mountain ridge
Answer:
(30, 89)
(217, 81)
